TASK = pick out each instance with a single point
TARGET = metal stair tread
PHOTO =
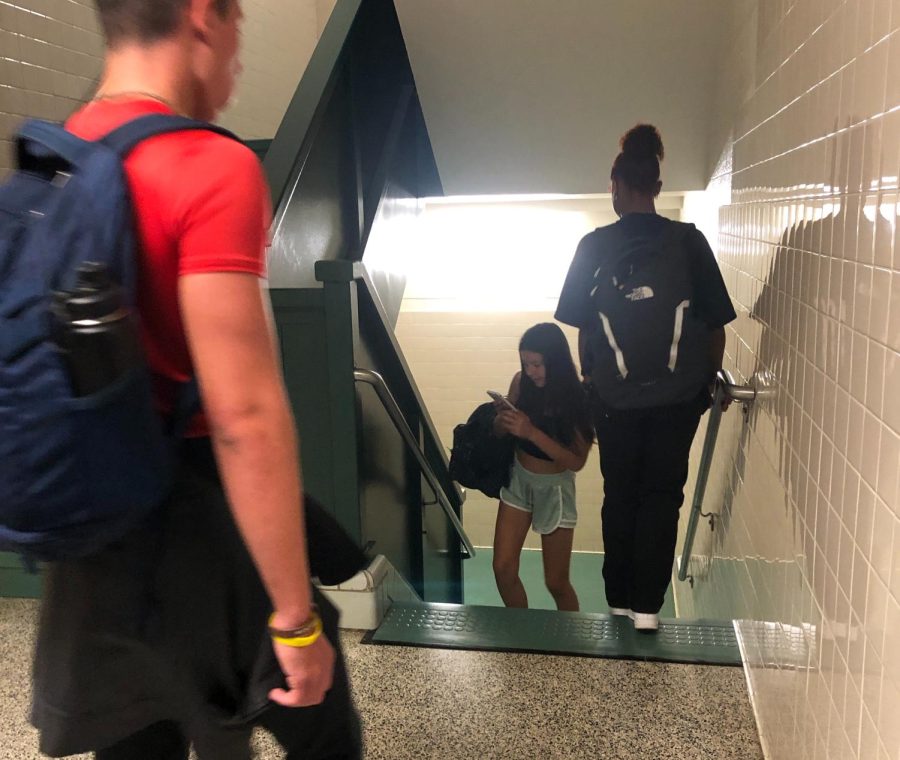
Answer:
(551, 632)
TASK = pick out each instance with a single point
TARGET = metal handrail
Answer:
(361, 274)
(725, 388)
(387, 399)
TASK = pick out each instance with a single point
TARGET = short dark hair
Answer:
(143, 20)
(638, 163)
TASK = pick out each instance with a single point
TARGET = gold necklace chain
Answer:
(135, 94)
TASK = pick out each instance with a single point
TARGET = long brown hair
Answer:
(563, 397)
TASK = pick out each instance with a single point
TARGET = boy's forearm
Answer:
(259, 462)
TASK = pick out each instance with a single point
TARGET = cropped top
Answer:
(548, 425)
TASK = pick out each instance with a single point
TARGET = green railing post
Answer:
(339, 300)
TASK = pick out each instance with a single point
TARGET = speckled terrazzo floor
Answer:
(441, 704)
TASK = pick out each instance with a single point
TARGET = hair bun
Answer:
(643, 141)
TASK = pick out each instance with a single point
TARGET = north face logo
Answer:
(640, 294)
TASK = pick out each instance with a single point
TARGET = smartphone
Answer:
(502, 399)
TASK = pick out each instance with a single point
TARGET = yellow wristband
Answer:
(301, 641)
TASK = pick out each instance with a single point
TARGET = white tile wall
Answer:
(51, 56)
(279, 37)
(808, 245)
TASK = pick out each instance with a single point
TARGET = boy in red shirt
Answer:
(160, 641)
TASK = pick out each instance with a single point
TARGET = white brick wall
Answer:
(51, 56)
(809, 249)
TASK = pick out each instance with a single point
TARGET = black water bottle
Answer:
(95, 330)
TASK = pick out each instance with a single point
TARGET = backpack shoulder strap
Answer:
(672, 239)
(608, 248)
(608, 235)
(676, 232)
(603, 240)
(37, 140)
(611, 238)
(124, 139)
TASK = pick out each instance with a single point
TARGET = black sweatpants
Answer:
(160, 639)
(165, 741)
(644, 460)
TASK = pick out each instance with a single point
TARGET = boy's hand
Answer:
(308, 672)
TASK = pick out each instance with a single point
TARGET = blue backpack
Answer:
(75, 472)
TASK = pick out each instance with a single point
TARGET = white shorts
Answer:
(549, 498)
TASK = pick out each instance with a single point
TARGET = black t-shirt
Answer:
(711, 302)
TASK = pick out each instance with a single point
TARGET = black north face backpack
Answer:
(479, 459)
(647, 347)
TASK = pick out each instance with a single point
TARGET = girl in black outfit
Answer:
(645, 423)
(553, 437)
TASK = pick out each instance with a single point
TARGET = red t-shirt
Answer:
(202, 206)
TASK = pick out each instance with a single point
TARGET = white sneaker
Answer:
(645, 621)
(620, 611)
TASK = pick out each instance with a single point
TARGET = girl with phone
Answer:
(551, 425)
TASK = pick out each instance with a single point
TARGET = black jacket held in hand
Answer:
(479, 459)
(334, 557)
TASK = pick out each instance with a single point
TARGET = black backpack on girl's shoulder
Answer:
(479, 459)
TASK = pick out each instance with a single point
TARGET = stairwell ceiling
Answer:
(531, 96)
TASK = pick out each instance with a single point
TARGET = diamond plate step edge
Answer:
(551, 632)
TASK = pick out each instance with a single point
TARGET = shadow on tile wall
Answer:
(807, 550)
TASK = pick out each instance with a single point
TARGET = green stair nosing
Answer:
(518, 634)
(720, 660)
